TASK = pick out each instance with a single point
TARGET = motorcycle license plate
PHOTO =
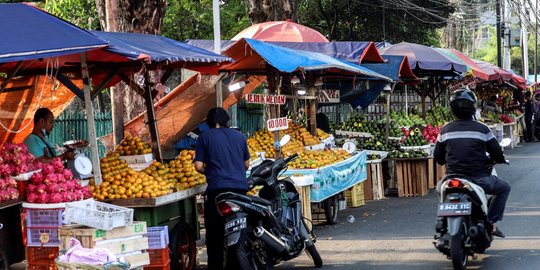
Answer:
(235, 225)
(454, 209)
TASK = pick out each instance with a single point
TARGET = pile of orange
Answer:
(133, 146)
(318, 158)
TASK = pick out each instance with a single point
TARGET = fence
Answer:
(73, 126)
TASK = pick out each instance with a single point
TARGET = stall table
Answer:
(411, 176)
(178, 211)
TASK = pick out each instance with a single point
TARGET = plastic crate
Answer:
(41, 267)
(159, 267)
(355, 195)
(158, 237)
(159, 257)
(44, 218)
(46, 237)
(41, 256)
(98, 215)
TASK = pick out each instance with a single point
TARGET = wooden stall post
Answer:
(92, 139)
(312, 92)
(152, 123)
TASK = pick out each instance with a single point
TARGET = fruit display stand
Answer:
(374, 184)
(303, 184)
(411, 176)
(176, 210)
(11, 239)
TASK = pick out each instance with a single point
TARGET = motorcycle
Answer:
(4, 265)
(462, 227)
(265, 230)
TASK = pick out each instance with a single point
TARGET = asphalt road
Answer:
(397, 233)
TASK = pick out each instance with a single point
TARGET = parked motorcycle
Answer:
(4, 265)
(262, 231)
(462, 227)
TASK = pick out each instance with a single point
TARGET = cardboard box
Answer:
(134, 159)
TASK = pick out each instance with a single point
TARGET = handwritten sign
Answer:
(276, 124)
(266, 99)
(329, 96)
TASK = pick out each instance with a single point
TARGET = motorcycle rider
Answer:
(462, 145)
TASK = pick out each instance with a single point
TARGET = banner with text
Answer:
(266, 99)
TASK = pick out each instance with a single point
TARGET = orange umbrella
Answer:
(281, 31)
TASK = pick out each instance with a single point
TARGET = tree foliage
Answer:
(187, 19)
(391, 20)
(82, 13)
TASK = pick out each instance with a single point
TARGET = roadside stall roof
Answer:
(351, 51)
(503, 74)
(426, 61)
(254, 56)
(156, 48)
(519, 81)
(29, 33)
(396, 67)
(477, 71)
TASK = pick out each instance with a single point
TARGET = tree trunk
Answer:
(138, 16)
(271, 10)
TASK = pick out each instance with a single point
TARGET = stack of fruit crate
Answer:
(158, 241)
(42, 244)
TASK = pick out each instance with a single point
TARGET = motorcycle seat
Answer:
(259, 200)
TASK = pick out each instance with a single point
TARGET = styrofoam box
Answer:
(138, 158)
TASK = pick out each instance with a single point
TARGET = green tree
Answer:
(394, 21)
(82, 13)
(187, 19)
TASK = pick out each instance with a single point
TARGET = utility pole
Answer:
(536, 44)
(498, 12)
(506, 35)
(524, 40)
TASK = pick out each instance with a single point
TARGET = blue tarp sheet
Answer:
(30, 33)
(136, 46)
(390, 69)
(290, 60)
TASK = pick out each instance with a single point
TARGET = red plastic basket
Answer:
(159, 257)
(41, 267)
(41, 256)
(159, 267)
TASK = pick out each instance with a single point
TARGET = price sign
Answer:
(277, 124)
(265, 99)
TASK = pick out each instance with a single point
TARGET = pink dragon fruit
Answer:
(60, 178)
(57, 165)
(70, 185)
(3, 183)
(37, 178)
(67, 174)
(32, 197)
(56, 198)
(47, 169)
(54, 188)
(31, 189)
(87, 193)
(41, 188)
(43, 198)
(50, 178)
(13, 193)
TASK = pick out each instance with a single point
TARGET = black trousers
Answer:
(528, 127)
(215, 230)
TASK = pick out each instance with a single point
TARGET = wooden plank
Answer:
(304, 194)
(89, 236)
(425, 179)
(380, 183)
(368, 183)
(10, 203)
(138, 259)
(431, 173)
(161, 200)
(399, 173)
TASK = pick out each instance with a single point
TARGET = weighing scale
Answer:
(80, 165)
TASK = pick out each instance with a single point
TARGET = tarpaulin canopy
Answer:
(490, 68)
(518, 81)
(29, 33)
(477, 71)
(253, 55)
(281, 31)
(155, 48)
(351, 51)
(396, 67)
(426, 61)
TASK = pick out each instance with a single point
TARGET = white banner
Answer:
(329, 96)
(277, 124)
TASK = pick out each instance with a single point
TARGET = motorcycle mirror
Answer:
(284, 140)
(505, 142)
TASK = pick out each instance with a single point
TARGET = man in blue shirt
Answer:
(38, 143)
(222, 155)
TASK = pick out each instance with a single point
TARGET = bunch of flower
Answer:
(55, 184)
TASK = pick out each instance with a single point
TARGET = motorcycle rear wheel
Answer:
(458, 252)
(250, 252)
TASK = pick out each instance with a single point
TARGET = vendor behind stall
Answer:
(491, 105)
(38, 141)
